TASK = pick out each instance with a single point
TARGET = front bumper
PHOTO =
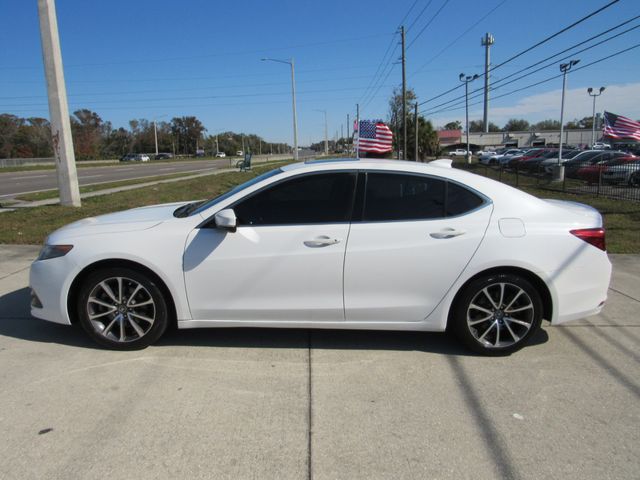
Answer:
(49, 281)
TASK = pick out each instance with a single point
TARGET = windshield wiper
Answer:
(185, 210)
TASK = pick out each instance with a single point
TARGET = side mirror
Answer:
(226, 219)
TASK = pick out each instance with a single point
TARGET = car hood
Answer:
(132, 220)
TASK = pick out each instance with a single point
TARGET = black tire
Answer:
(128, 326)
(504, 330)
(634, 180)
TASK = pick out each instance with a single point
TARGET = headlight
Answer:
(54, 251)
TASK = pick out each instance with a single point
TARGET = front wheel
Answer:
(497, 314)
(122, 309)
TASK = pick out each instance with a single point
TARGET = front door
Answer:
(285, 260)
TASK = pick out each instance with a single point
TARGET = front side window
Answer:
(307, 199)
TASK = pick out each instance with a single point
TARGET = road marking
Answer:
(28, 177)
(90, 176)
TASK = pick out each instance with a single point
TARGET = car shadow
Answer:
(17, 322)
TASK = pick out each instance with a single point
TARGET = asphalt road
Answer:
(16, 183)
(296, 404)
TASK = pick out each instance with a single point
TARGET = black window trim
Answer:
(210, 222)
(361, 190)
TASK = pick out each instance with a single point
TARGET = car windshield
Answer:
(208, 204)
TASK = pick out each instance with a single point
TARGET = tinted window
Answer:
(460, 200)
(321, 198)
(392, 196)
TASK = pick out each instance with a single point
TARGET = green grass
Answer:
(32, 225)
(48, 194)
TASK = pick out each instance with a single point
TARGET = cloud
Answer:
(621, 99)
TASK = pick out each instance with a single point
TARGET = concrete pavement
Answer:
(279, 404)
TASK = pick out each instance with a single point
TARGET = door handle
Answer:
(321, 241)
(447, 233)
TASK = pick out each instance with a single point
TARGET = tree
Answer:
(187, 132)
(585, 122)
(86, 128)
(427, 138)
(395, 114)
(516, 125)
(454, 126)
(547, 125)
(493, 127)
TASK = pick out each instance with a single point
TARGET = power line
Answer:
(419, 15)
(539, 82)
(546, 39)
(478, 91)
(428, 23)
(210, 55)
(475, 24)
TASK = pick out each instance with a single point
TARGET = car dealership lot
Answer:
(327, 404)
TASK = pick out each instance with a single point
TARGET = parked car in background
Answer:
(601, 146)
(135, 157)
(488, 152)
(469, 254)
(625, 173)
(591, 157)
(221, 154)
(239, 153)
(483, 157)
(163, 156)
(594, 173)
(551, 159)
(495, 159)
(459, 152)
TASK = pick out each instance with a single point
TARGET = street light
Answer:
(293, 98)
(558, 173)
(466, 79)
(593, 122)
(326, 140)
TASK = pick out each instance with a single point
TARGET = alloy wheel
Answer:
(121, 309)
(500, 315)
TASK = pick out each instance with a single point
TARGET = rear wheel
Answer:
(634, 180)
(497, 314)
(122, 309)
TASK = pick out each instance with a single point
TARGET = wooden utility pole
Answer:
(417, 129)
(404, 98)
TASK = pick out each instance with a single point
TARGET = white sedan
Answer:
(354, 244)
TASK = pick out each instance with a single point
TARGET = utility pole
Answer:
(348, 137)
(358, 127)
(58, 107)
(593, 125)
(466, 79)
(217, 147)
(260, 147)
(404, 97)
(416, 128)
(155, 135)
(486, 42)
(558, 171)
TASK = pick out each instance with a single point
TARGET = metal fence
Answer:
(615, 179)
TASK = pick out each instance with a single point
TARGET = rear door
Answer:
(415, 236)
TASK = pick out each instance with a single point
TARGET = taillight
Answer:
(594, 236)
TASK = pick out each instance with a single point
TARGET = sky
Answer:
(129, 59)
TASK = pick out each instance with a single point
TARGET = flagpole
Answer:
(358, 126)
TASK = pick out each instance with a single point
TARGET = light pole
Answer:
(593, 122)
(293, 99)
(466, 79)
(326, 139)
(558, 171)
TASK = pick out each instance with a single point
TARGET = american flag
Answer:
(617, 126)
(374, 136)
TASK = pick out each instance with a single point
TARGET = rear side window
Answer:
(460, 200)
(400, 197)
(392, 196)
(319, 198)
